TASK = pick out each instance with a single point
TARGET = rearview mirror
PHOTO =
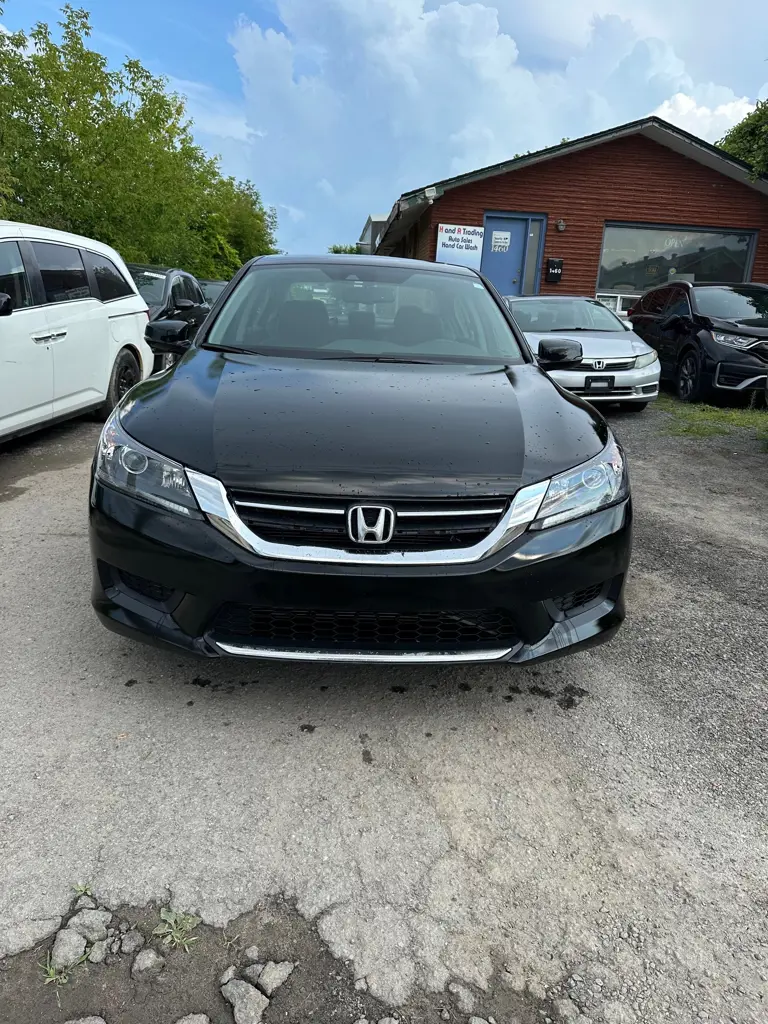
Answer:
(167, 337)
(183, 305)
(6, 304)
(559, 354)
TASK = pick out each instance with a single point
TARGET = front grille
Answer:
(578, 599)
(322, 522)
(610, 365)
(147, 588)
(365, 631)
(601, 392)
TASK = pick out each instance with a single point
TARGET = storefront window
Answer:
(636, 258)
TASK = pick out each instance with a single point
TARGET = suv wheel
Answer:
(125, 373)
(688, 377)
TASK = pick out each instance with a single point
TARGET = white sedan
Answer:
(617, 365)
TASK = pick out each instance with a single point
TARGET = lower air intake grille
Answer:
(579, 599)
(443, 630)
(147, 588)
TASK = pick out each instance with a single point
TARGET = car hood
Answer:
(307, 426)
(597, 344)
(756, 327)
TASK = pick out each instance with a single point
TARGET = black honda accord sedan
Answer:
(358, 459)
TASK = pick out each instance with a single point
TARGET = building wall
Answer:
(632, 179)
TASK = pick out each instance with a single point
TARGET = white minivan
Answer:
(71, 328)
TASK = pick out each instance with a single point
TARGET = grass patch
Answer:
(176, 928)
(699, 420)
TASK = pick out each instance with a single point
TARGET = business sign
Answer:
(500, 241)
(460, 243)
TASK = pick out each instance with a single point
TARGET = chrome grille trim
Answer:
(422, 514)
(212, 498)
(610, 364)
(371, 657)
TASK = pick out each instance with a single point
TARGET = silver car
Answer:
(617, 365)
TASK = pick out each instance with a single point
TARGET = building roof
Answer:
(410, 206)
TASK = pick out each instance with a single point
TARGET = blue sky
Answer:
(335, 107)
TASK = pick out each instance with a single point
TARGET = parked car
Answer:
(72, 328)
(712, 339)
(170, 294)
(617, 366)
(212, 289)
(412, 490)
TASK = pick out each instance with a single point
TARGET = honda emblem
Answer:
(370, 524)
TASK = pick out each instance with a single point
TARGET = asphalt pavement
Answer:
(589, 834)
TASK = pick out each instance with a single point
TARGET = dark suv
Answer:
(711, 338)
(171, 294)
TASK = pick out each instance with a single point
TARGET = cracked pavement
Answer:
(486, 824)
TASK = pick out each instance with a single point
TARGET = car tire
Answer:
(688, 384)
(125, 373)
(632, 406)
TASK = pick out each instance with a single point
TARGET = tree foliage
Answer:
(342, 249)
(110, 154)
(748, 140)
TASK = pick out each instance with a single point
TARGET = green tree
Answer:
(341, 249)
(110, 154)
(748, 140)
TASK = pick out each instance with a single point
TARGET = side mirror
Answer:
(168, 337)
(559, 354)
(6, 304)
(672, 323)
(183, 305)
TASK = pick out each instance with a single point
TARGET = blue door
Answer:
(503, 260)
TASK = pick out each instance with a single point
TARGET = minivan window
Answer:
(111, 283)
(655, 301)
(13, 276)
(740, 302)
(62, 271)
(679, 304)
(329, 310)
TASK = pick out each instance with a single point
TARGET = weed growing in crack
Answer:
(82, 889)
(176, 928)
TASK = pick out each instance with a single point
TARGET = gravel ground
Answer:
(583, 841)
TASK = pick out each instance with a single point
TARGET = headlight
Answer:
(734, 340)
(127, 465)
(646, 359)
(601, 481)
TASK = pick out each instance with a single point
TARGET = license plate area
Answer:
(599, 383)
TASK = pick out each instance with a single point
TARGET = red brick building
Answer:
(623, 210)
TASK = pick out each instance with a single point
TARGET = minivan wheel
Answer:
(125, 373)
(688, 379)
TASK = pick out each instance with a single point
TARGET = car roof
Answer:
(551, 298)
(369, 261)
(37, 232)
(156, 269)
(705, 284)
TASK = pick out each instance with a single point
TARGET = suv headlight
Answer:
(734, 340)
(602, 481)
(646, 359)
(128, 466)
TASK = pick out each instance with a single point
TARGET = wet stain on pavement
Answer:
(464, 686)
(399, 689)
(571, 697)
(541, 691)
(307, 727)
(131, 682)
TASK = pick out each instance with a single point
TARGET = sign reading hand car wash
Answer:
(460, 243)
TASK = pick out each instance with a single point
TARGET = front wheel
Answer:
(688, 377)
(632, 406)
(125, 373)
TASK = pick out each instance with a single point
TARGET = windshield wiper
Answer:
(231, 348)
(352, 357)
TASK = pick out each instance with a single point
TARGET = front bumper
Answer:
(165, 580)
(628, 385)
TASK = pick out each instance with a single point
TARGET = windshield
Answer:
(151, 285)
(742, 302)
(357, 310)
(212, 289)
(543, 316)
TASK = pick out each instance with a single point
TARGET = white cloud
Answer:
(213, 114)
(379, 96)
(709, 123)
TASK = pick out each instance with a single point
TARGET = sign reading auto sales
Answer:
(460, 243)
